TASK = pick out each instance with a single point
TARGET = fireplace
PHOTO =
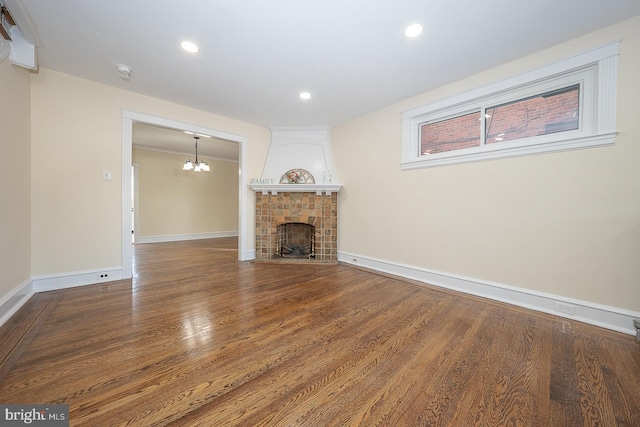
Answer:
(296, 240)
(297, 199)
(296, 225)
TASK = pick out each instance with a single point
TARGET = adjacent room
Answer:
(392, 213)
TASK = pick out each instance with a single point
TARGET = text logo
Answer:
(35, 415)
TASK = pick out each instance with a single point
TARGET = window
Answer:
(551, 112)
(450, 134)
(566, 105)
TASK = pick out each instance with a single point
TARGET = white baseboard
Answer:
(248, 255)
(77, 278)
(16, 298)
(12, 301)
(181, 237)
(614, 318)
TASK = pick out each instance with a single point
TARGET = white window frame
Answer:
(596, 73)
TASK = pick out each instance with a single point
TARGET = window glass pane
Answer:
(450, 134)
(550, 112)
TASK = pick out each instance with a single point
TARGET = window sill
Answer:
(509, 150)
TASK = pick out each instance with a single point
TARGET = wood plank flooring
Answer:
(200, 339)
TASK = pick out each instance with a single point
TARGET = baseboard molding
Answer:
(614, 318)
(249, 255)
(16, 298)
(78, 278)
(181, 237)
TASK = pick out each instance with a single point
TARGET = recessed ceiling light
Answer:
(413, 30)
(305, 95)
(189, 47)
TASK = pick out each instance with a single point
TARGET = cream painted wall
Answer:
(76, 131)
(565, 223)
(172, 201)
(15, 178)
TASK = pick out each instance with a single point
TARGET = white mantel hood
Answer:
(305, 148)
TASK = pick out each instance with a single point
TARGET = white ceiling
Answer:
(257, 55)
(177, 141)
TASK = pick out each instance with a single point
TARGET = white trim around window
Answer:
(594, 70)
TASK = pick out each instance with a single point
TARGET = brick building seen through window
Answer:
(550, 112)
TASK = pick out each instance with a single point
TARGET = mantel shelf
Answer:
(274, 189)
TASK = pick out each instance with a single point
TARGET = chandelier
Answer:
(196, 166)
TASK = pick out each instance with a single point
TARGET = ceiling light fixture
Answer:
(196, 166)
(305, 95)
(189, 47)
(413, 30)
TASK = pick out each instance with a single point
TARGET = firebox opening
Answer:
(296, 240)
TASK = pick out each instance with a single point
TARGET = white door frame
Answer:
(128, 118)
(136, 219)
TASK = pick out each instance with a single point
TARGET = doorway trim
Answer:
(128, 118)
(134, 200)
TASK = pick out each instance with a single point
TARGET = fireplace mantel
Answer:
(274, 189)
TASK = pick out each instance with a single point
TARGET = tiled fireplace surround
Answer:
(317, 209)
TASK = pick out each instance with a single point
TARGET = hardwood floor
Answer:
(200, 339)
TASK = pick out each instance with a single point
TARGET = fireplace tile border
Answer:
(319, 210)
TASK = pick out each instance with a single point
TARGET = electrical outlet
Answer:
(103, 276)
(563, 307)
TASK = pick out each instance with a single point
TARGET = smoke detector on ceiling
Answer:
(123, 71)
